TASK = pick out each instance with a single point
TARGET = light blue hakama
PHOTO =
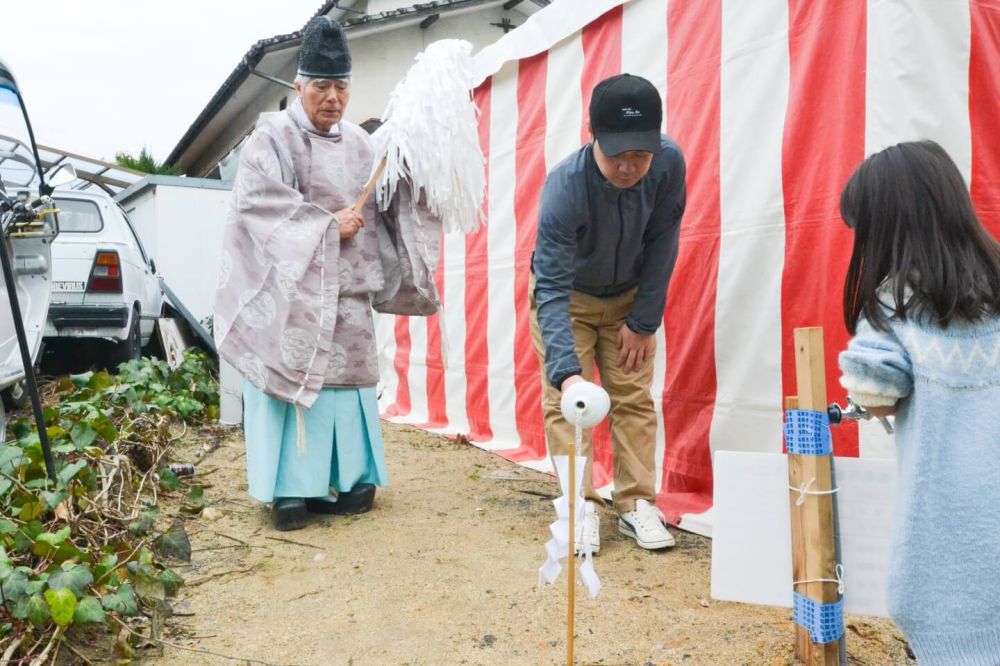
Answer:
(343, 444)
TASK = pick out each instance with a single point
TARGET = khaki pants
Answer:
(596, 322)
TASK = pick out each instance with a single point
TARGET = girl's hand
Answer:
(349, 222)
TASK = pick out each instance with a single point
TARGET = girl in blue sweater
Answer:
(922, 299)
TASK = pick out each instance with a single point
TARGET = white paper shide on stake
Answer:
(584, 405)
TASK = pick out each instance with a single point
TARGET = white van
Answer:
(103, 283)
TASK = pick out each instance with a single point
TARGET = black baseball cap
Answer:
(626, 114)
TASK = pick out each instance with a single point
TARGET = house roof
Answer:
(270, 56)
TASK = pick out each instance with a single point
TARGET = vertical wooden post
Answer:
(571, 560)
(813, 547)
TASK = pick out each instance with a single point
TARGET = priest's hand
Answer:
(349, 222)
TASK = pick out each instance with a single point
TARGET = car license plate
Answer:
(68, 286)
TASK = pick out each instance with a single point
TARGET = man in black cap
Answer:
(292, 312)
(608, 226)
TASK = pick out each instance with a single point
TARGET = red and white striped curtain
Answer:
(774, 103)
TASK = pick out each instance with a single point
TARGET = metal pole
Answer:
(22, 343)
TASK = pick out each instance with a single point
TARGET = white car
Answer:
(104, 285)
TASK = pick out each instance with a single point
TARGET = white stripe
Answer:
(918, 76)
(563, 100)
(644, 53)
(748, 406)
(540, 32)
(386, 340)
(917, 88)
(501, 241)
(453, 321)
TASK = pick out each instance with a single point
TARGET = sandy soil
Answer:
(443, 571)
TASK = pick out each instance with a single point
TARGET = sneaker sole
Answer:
(626, 529)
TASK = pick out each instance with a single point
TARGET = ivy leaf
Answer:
(30, 511)
(147, 585)
(145, 523)
(100, 381)
(171, 582)
(174, 544)
(195, 501)
(15, 586)
(121, 602)
(52, 500)
(62, 603)
(80, 381)
(37, 610)
(75, 577)
(88, 611)
(105, 428)
(66, 474)
(54, 538)
(169, 480)
(7, 527)
(83, 435)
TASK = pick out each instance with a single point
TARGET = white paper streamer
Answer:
(559, 546)
(430, 137)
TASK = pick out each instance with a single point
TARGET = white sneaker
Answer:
(645, 525)
(588, 530)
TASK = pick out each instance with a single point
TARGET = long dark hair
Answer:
(919, 249)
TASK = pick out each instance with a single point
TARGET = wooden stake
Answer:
(370, 186)
(813, 548)
(571, 578)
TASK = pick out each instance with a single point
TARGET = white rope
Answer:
(430, 137)
(803, 491)
(839, 580)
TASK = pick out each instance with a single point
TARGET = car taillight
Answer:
(106, 275)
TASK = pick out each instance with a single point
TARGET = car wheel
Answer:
(15, 395)
(130, 349)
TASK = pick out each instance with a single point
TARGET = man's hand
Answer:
(569, 381)
(633, 349)
(349, 222)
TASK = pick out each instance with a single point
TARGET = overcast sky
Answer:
(103, 76)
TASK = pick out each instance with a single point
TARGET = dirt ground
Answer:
(444, 571)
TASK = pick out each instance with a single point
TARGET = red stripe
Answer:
(693, 90)
(401, 363)
(984, 112)
(437, 411)
(824, 141)
(529, 175)
(477, 403)
(602, 57)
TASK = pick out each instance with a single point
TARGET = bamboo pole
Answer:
(813, 546)
(571, 577)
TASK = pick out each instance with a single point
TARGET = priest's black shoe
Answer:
(358, 499)
(289, 513)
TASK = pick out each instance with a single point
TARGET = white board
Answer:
(752, 543)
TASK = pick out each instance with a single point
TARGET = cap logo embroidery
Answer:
(629, 112)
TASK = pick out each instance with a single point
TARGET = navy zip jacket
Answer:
(603, 241)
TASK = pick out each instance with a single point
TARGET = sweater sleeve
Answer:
(659, 254)
(876, 367)
(553, 263)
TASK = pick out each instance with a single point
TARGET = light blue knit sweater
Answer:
(944, 574)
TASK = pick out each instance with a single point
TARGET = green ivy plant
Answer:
(69, 556)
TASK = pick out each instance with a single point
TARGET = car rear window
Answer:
(76, 216)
